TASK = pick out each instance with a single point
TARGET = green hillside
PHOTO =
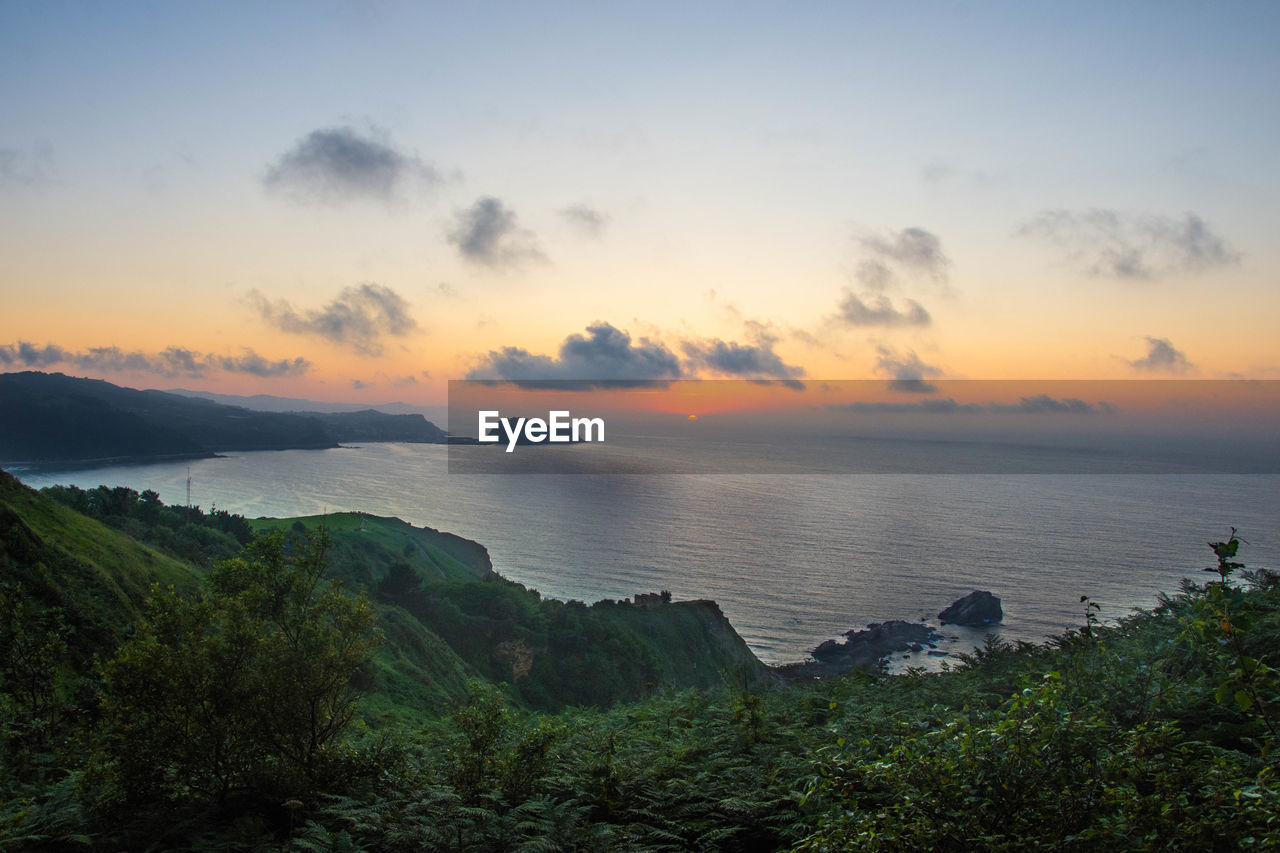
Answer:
(446, 616)
(554, 654)
(366, 546)
(449, 616)
(227, 713)
(95, 575)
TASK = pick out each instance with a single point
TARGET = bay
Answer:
(792, 559)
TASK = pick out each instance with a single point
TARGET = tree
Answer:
(32, 648)
(247, 688)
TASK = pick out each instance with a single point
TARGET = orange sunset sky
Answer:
(360, 202)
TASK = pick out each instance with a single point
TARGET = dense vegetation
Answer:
(227, 720)
(185, 532)
(43, 418)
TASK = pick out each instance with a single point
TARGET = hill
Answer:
(1156, 733)
(447, 616)
(273, 403)
(437, 593)
(94, 575)
(44, 418)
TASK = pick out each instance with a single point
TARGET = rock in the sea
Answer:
(829, 650)
(861, 649)
(976, 609)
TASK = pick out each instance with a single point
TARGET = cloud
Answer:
(1044, 404)
(754, 361)
(1162, 357)
(1041, 404)
(603, 357)
(172, 361)
(939, 172)
(30, 355)
(906, 373)
(19, 168)
(911, 252)
(886, 260)
(488, 234)
(881, 312)
(116, 360)
(587, 220)
(934, 407)
(252, 363)
(182, 360)
(360, 384)
(1134, 247)
(358, 318)
(337, 165)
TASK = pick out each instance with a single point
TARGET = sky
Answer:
(362, 201)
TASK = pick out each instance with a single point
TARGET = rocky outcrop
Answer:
(976, 609)
(861, 649)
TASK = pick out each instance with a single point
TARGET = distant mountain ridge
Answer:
(273, 403)
(50, 418)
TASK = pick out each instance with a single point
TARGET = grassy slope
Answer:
(712, 651)
(415, 672)
(97, 575)
(460, 623)
(365, 546)
(1156, 733)
(450, 628)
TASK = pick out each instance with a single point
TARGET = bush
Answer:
(248, 688)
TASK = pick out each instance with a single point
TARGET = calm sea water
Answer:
(791, 559)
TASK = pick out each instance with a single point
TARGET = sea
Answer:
(792, 559)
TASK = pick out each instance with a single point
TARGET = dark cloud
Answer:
(906, 373)
(252, 363)
(934, 407)
(337, 165)
(19, 168)
(182, 360)
(359, 318)
(30, 355)
(753, 361)
(881, 312)
(1162, 357)
(587, 220)
(117, 360)
(1109, 244)
(173, 361)
(911, 252)
(886, 260)
(1041, 404)
(488, 233)
(604, 356)
(360, 384)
